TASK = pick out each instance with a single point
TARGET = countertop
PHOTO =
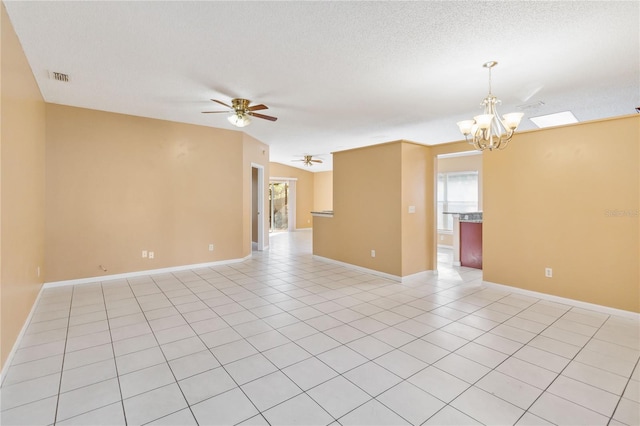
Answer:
(472, 217)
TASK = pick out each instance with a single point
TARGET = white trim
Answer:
(374, 272)
(140, 273)
(261, 216)
(378, 273)
(422, 274)
(14, 348)
(291, 205)
(565, 301)
(359, 268)
(281, 179)
(459, 154)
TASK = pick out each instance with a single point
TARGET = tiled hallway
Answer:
(286, 339)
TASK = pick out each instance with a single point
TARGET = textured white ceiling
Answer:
(338, 75)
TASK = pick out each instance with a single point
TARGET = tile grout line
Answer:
(64, 355)
(294, 285)
(564, 368)
(636, 366)
(113, 351)
(261, 353)
(163, 355)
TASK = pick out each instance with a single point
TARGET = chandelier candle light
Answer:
(487, 131)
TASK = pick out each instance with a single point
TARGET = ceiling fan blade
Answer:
(215, 112)
(258, 107)
(266, 117)
(221, 103)
(316, 161)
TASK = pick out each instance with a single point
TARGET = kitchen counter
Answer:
(467, 239)
(323, 213)
(474, 217)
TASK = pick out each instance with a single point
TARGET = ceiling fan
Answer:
(241, 112)
(308, 160)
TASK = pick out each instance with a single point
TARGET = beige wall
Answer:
(22, 165)
(366, 205)
(304, 191)
(418, 228)
(371, 196)
(461, 163)
(548, 200)
(118, 184)
(323, 191)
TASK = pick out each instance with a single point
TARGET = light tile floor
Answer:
(286, 339)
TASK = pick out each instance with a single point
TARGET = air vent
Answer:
(59, 76)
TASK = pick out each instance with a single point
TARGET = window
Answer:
(457, 192)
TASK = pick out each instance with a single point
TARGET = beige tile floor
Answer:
(286, 339)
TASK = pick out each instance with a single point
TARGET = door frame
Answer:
(260, 210)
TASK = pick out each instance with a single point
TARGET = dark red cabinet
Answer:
(471, 244)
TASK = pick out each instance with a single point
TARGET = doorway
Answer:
(278, 206)
(458, 190)
(282, 211)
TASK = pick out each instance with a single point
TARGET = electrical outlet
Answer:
(144, 253)
(151, 255)
(373, 253)
(412, 209)
(210, 247)
(548, 272)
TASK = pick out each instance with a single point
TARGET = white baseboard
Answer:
(565, 301)
(374, 272)
(140, 273)
(417, 275)
(359, 268)
(14, 348)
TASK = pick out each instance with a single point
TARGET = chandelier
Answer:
(488, 131)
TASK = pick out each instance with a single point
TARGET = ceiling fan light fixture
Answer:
(488, 131)
(239, 119)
